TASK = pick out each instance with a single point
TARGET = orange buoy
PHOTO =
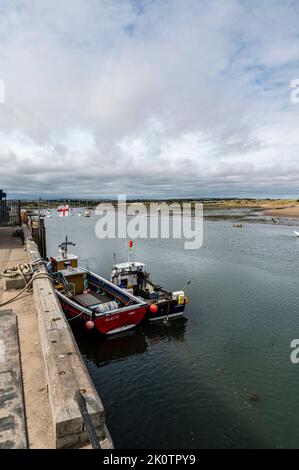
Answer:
(153, 308)
(89, 325)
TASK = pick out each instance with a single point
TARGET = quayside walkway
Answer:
(47, 398)
(37, 406)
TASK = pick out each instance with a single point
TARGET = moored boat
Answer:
(160, 303)
(87, 213)
(93, 299)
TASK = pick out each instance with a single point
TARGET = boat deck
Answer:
(150, 289)
(92, 299)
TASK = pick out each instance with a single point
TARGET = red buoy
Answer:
(130, 243)
(89, 325)
(153, 308)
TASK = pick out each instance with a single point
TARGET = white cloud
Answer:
(149, 98)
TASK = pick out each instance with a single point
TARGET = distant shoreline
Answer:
(246, 210)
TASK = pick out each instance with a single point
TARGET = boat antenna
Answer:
(188, 284)
(63, 247)
(114, 258)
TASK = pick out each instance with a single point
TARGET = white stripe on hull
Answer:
(167, 316)
(119, 330)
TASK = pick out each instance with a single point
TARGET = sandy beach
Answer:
(291, 211)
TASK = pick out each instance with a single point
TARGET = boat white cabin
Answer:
(126, 274)
(132, 277)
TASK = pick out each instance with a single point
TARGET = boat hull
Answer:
(167, 309)
(109, 323)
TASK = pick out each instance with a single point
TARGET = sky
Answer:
(149, 98)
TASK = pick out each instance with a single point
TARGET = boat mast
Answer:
(63, 247)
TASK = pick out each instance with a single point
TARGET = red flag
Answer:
(63, 210)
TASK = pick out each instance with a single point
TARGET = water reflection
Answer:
(173, 330)
(104, 350)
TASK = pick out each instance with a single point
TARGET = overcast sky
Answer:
(149, 97)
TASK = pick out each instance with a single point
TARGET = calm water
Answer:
(187, 384)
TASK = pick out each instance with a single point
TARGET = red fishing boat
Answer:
(91, 298)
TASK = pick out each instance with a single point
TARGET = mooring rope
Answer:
(27, 287)
(73, 318)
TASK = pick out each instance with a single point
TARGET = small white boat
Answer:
(296, 233)
(87, 213)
